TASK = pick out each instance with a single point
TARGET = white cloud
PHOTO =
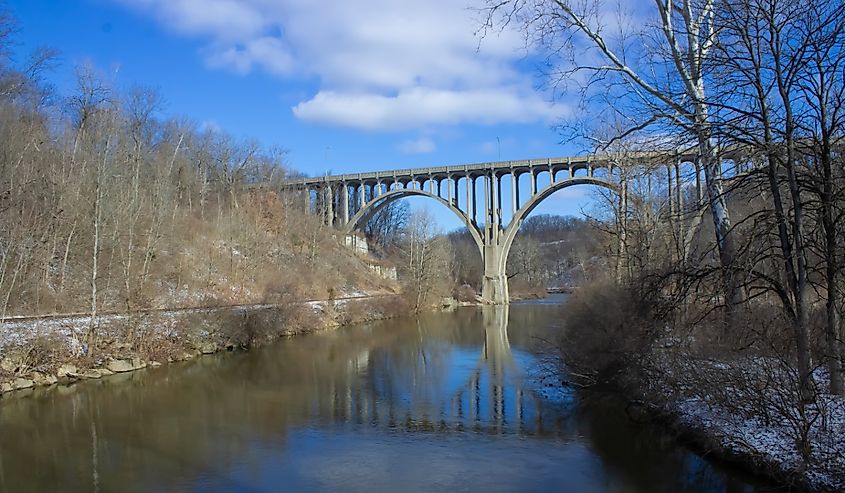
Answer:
(419, 107)
(222, 20)
(381, 64)
(267, 52)
(422, 145)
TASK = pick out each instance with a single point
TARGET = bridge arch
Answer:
(370, 209)
(528, 207)
(495, 286)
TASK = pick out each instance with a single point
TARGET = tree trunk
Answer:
(712, 166)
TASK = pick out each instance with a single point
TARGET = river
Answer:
(448, 402)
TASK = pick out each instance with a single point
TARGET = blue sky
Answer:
(344, 86)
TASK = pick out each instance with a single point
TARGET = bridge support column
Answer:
(329, 205)
(470, 207)
(344, 202)
(494, 286)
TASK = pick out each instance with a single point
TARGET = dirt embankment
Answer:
(45, 351)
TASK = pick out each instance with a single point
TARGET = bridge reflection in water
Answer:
(440, 387)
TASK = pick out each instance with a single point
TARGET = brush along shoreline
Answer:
(52, 350)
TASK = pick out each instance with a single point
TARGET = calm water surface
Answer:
(450, 402)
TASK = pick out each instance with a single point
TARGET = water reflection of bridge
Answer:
(452, 391)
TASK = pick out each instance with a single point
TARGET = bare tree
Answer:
(385, 227)
(779, 63)
(426, 256)
(822, 84)
(660, 71)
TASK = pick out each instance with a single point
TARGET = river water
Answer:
(448, 402)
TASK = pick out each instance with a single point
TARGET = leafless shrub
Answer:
(607, 331)
(284, 290)
(41, 354)
(253, 327)
(367, 310)
(161, 348)
(465, 293)
(245, 329)
(350, 313)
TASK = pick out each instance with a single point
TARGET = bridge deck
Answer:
(478, 169)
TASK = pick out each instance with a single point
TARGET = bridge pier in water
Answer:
(348, 202)
(494, 286)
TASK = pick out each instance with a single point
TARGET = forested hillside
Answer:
(106, 203)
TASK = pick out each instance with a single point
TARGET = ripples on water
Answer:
(449, 402)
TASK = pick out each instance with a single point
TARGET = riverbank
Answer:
(763, 451)
(740, 400)
(46, 351)
(767, 448)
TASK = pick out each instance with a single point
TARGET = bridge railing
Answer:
(576, 162)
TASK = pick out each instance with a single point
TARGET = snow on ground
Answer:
(17, 331)
(775, 443)
(355, 293)
(21, 331)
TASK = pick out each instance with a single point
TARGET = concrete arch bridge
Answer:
(473, 192)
